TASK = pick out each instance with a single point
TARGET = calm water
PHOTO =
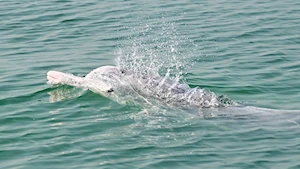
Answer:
(248, 51)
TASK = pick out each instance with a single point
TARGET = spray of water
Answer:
(150, 67)
(156, 50)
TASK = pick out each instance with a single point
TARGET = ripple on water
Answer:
(245, 50)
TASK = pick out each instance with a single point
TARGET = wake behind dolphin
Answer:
(111, 82)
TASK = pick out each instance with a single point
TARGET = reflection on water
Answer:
(64, 93)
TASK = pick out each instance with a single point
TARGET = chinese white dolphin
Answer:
(108, 81)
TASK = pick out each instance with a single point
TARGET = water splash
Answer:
(155, 49)
(150, 68)
(156, 56)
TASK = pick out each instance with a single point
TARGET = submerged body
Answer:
(110, 82)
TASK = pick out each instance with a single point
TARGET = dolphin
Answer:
(101, 80)
(110, 81)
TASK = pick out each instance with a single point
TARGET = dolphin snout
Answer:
(54, 77)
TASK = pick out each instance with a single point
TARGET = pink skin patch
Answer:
(55, 77)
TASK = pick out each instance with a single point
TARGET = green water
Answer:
(247, 50)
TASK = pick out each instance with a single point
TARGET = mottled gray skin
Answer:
(172, 92)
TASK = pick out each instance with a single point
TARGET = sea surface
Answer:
(248, 51)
